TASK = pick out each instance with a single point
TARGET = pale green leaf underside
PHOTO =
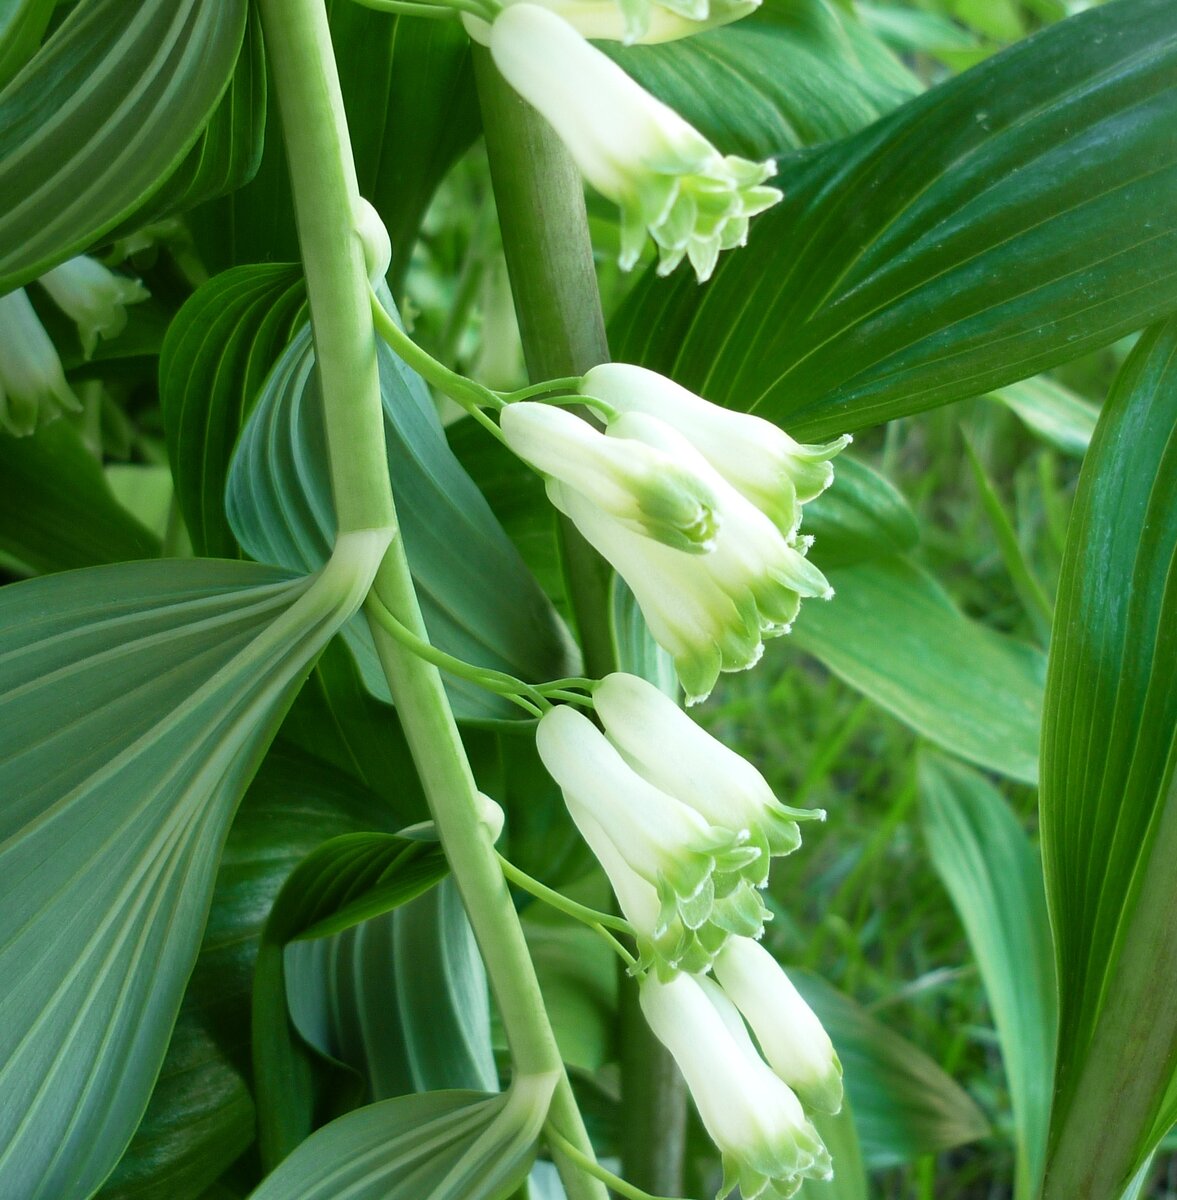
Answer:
(135, 703)
(894, 634)
(994, 876)
(431, 1146)
(100, 117)
(479, 601)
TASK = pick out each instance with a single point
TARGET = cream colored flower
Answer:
(33, 389)
(94, 297)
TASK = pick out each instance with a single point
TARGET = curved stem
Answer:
(569, 383)
(541, 891)
(615, 1182)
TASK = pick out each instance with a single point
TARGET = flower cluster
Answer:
(668, 180)
(712, 581)
(33, 387)
(685, 829)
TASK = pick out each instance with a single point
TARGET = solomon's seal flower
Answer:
(793, 1040)
(33, 390)
(637, 484)
(766, 466)
(669, 750)
(92, 296)
(697, 876)
(768, 1146)
(666, 177)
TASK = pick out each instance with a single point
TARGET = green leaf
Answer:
(444, 1145)
(895, 635)
(201, 1114)
(135, 703)
(994, 876)
(216, 356)
(861, 517)
(22, 25)
(1052, 411)
(1009, 219)
(1109, 795)
(841, 1139)
(479, 601)
(58, 511)
(791, 74)
(904, 1105)
(100, 118)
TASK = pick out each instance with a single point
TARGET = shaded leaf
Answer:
(217, 353)
(22, 25)
(895, 635)
(994, 876)
(1053, 412)
(841, 1139)
(478, 598)
(57, 510)
(1007, 220)
(135, 704)
(904, 1105)
(1109, 797)
(98, 120)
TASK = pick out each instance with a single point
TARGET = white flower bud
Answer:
(768, 1146)
(792, 1038)
(33, 390)
(667, 178)
(761, 461)
(663, 745)
(92, 296)
(639, 485)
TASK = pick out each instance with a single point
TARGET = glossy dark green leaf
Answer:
(479, 600)
(444, 1145)
(861, 517)
(216, 355)
(1109, 794)
(135, 703)
(22, 25)
(98, 120)
(904, 1105)
(994, 875)
(1008, 219)
(892, 632)
(794, 73)
(56, 508)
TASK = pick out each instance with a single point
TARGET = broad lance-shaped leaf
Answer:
(1109, 792)
(135, 703)
(994, 876)
(479, 600)
(440, 1145)
(101, 116)
(1007, 220)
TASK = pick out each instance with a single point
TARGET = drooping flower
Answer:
(698, 878)
(793, 1040)
(665, 176)
(766, 466)
(711, 612)
(768, 1146)
(643, 488)
(636, 21)
(669, 750)
(93, 296)
(33, 389)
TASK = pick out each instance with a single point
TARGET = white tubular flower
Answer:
(667, 844)
(635, 22)
(761, 461)
(666, 748)
(93, 296)
(33, 390)
(712, 612)
(666, 177)
(768, 1146)
(647, 490)
(792, 1038)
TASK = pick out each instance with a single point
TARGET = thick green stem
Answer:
(540, 200)
(327, 204)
